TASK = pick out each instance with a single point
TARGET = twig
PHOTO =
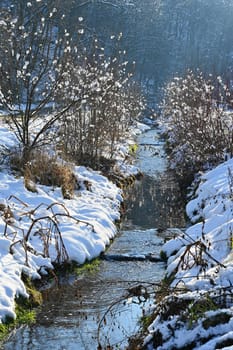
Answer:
(19, 200)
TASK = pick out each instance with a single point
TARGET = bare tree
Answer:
(35, 64)
(110, 103)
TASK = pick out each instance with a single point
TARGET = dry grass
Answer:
(47, 170)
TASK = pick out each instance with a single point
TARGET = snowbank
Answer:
(198, 311)
(52, 228)
(38, 229)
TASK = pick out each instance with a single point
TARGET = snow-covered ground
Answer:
(197, 313)
(37, 229)
(79, 229)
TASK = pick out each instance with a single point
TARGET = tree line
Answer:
(166, 37)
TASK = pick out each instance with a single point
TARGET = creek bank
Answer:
(78, 229)
(82, 300)
(196, 310)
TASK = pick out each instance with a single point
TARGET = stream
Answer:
(102, 307)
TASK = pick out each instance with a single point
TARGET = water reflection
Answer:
(81, 312)
(155, 202)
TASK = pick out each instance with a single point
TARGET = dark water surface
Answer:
(99, 308)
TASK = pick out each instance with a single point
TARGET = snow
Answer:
(86, 224)
(54, 229)
(79, 229)
(201, 260)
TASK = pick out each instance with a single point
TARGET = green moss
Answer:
(24, 315)
(146, 321)
(4, 330)
(35, 297)
(133, 149)
(24, 309)
(198, 308)
(74, 268)
(88, 267)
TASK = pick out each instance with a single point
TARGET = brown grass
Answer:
(46, 170)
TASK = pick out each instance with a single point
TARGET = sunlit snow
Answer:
(52, 228)
(202, 262)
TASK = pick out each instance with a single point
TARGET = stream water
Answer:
(100, 308)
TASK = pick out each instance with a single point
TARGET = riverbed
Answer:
(101, 308)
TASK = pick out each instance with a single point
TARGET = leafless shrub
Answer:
(196, 253)
(46, 170)
(45, 227)
(199, 127)
(48, 231)
(36, 58)
(90, 132)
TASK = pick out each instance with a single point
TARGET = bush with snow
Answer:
(196, 310)
(198, 127)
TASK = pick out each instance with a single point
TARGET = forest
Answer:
(159, 38)
(164, 37)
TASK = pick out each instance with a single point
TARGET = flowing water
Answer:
(101, 309)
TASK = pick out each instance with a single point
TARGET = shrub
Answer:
(197, 123)
(48, 171)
